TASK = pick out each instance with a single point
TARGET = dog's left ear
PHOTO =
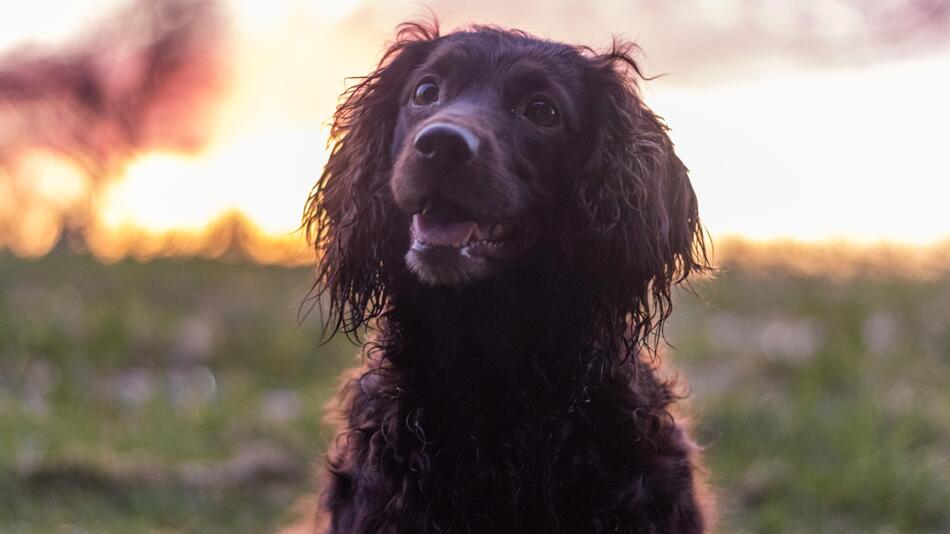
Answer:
(348, 215)
(636, 212)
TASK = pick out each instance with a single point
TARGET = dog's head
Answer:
(467, 157)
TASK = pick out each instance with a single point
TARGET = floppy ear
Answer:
(348, 216)
(636, 223)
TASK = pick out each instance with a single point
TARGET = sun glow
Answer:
(265, 177)
(168, 203)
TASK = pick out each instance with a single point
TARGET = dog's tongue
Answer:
(439, 232)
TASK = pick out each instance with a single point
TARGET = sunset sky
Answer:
(803, 120)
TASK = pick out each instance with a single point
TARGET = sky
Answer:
(809, 120)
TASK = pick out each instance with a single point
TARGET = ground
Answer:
(186, 396)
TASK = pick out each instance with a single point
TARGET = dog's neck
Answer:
(488, 361)
(518, 335)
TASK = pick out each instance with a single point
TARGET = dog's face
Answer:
(468, 156)
(483, 135)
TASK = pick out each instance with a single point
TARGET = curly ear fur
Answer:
(636, 227)
(348, 213)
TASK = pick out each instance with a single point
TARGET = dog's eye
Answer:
(542, 113)
(426, 93)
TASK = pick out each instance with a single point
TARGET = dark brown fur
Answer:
(523, 397)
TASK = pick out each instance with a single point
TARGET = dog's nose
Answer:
(446, 145)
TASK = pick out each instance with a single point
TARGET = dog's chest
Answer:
(501, 473)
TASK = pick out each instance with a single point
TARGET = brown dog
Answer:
(513, 217)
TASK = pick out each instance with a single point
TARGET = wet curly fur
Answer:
(527, 400)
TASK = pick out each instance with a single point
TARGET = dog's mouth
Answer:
(445, 227)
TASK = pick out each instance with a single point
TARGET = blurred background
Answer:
(159, 372)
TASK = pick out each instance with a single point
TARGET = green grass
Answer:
(847, 431)
(184, 396)
(122, 386)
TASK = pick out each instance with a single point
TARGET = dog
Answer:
(508, 218)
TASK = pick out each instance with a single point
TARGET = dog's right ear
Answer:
(348, 216)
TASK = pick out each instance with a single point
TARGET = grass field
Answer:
(184, 396)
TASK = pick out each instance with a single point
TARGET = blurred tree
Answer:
(147, 78)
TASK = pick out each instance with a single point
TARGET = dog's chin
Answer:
(455, 252)
(446, 265)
